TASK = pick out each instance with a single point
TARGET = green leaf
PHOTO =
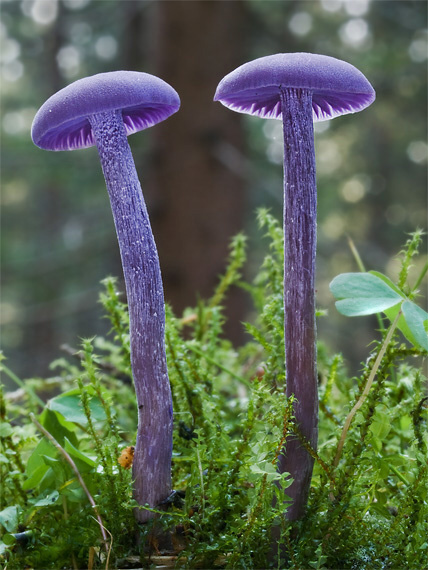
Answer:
(36, 466)
(56, 425)
(77, 454)
(380, 427)
(57, 466)
(401, 324)
(70, 407)
(35, 478)
(266, 468)
(73, 494)
(363, 294)
(417, 321)
(49, 499)
(50, 481)
(5, 429)
(9, 518)
(412, 323)
(8, 540)
(376, 443)
(388, 281)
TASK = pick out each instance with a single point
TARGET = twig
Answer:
(76, 471)
(110, 547)
(366, 390)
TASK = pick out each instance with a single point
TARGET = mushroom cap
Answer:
(62, 123)
(337, 87)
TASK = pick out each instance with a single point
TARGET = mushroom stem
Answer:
(153, 450)
(300, 205)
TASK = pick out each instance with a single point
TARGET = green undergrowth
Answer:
(368, 502)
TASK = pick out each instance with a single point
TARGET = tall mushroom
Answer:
(298, 88)
(102, 110)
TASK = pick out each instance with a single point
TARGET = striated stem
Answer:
(153, 450)
(300, 205)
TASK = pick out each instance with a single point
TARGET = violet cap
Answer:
(62, 121)
(337, 87)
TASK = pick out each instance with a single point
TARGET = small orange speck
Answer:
(126, 457)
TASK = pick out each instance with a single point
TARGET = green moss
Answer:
(231, 419)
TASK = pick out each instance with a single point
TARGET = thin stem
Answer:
(201, 478)
(110, 548)
(151, 468)
(421, 276)
(366, 390)
(399, 475)
(69, 460)
(361, 267)
(356, 255)
(300, 204)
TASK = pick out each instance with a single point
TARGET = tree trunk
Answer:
(196, 196)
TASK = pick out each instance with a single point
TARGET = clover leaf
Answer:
(361, 294)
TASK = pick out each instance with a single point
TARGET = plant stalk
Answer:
(366, 390)
(420, 277)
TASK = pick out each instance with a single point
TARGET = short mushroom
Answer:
(103, 110)
(298, 88)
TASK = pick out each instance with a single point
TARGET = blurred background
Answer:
(206, 169)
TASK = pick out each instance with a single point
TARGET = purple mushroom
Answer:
(103, 110)
(298, 88)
